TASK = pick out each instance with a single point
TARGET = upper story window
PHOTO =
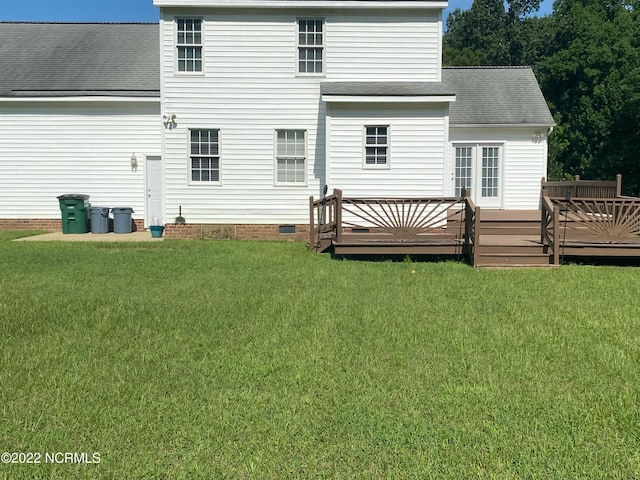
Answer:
(189, 43)
(291, 156)
(376, 145)
(310, 46)
(205, 155)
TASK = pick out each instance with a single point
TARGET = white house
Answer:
(261, 103)
(77, 101)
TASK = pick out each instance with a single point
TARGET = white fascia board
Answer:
(80, 99)
(364, 4)
(500, 125)
(388, 99)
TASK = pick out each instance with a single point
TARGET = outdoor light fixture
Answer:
(169, 120)
(538, 136)
(134, 162)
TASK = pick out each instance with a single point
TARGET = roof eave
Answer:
(503, 125)
(82, 98)
(388, 98)
(351, 4)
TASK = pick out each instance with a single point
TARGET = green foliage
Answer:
(491, 32)
(592, 82)
(184, 360)
(586, 55)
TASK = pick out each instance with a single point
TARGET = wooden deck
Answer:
(572, 226)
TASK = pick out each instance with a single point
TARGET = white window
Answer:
(376, 145)
(291, 156)
(205, 155)
(310, 46)
(189, 44)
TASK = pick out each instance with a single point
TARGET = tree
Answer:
(586, 55)
(491, 32)
(591, 83)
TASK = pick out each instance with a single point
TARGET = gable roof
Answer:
(79, 59)
(496, 96)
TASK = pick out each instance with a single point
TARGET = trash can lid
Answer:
(99, 209)
(122, 210)
(73, 196)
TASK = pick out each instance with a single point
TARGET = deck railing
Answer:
(587, 212)
(324, 218)
(471, 227)
(550, 229)
(583, 188)
(402, 220)
(600, 219)
(399, 218)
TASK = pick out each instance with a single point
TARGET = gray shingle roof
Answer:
(391, 89)
(79, 59)
(496, 96)
(82, 59)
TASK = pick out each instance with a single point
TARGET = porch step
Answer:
(528, 229)
(524, 247)
(511, 240)
(521, 260)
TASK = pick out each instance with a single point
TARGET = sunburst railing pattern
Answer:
(401, 218)
(606, 219)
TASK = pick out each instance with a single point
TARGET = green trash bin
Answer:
(75, 213)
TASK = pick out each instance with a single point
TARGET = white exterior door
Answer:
(479, 167)
(153, 184)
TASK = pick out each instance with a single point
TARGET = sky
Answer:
(119, 10)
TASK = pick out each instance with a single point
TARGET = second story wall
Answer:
(263, 45)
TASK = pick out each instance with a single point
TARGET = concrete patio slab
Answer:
(143, 236)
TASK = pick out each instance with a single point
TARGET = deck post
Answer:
(338, 194)
(618, 185)
(556, 235)
(476, 237)
(311, 223)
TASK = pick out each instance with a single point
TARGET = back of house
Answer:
(264, 102)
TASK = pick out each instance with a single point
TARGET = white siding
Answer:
(390, 47)
(48, 150)
(250, 88)
(417, 136)
(524, 161)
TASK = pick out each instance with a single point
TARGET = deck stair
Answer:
(511, 239)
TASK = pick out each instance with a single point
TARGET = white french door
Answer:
(479, 167)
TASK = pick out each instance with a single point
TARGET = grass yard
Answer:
(260, 360)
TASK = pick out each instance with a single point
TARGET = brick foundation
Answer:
(189, 231)
(47, 224)
(52, 225)
(233, 231)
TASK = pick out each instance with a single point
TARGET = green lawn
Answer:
(204, 359)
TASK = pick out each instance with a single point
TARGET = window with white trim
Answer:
(291, 156)
(310, 46)
(189, 44)
(376, 145)
(204, 155)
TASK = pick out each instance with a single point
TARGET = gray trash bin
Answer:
(122, 219)
(99, 219)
